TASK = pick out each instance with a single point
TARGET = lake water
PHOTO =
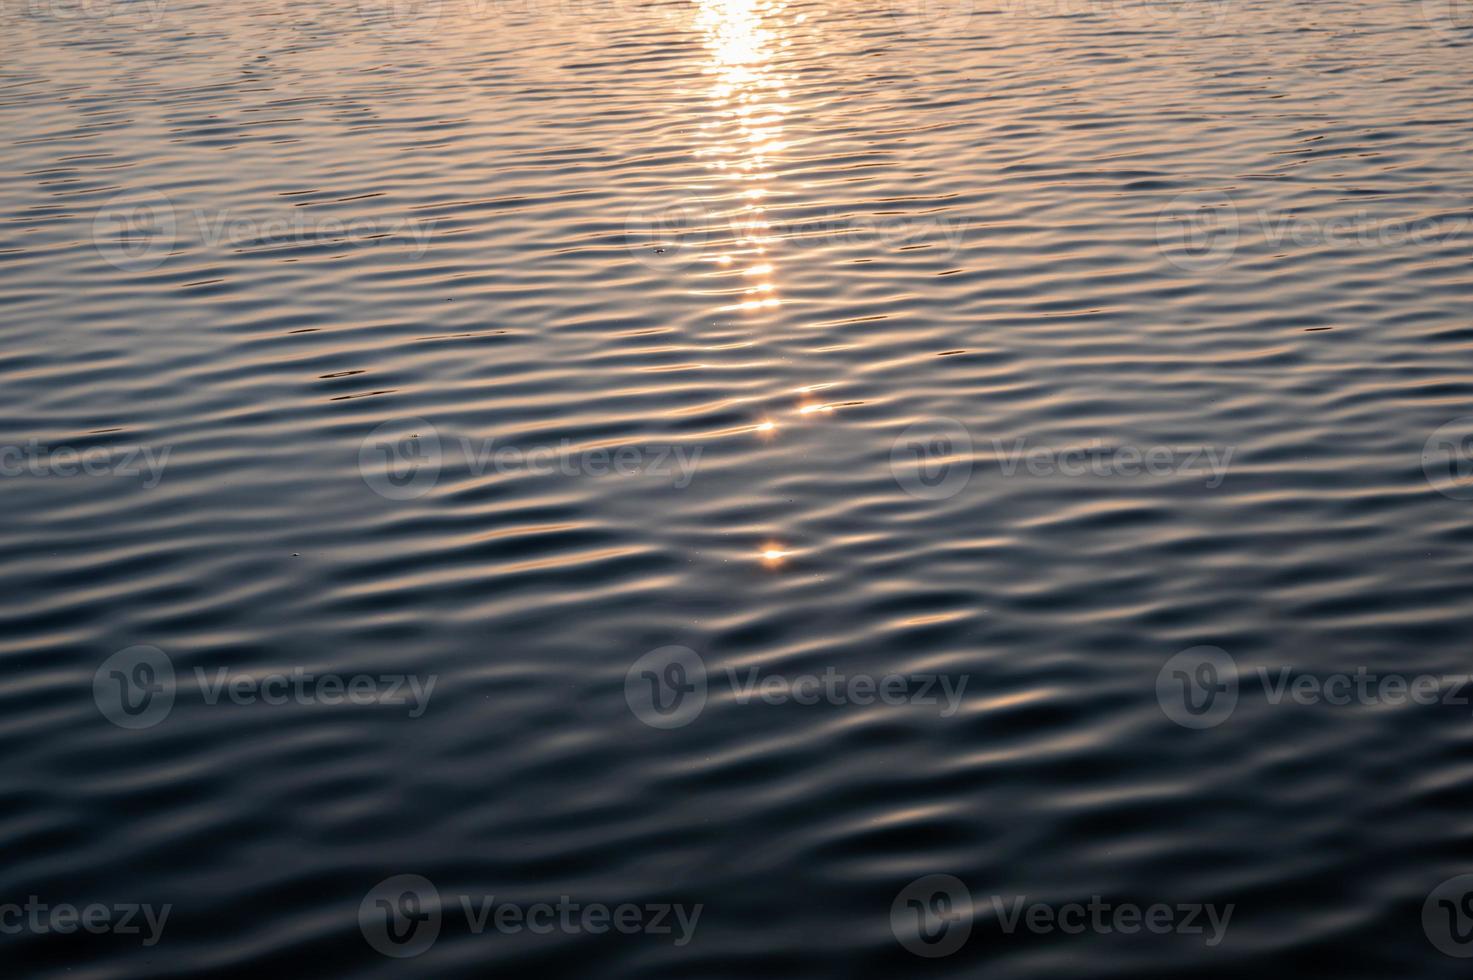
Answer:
(642, 489)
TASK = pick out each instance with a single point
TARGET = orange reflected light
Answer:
(742, 37)
(773, 554)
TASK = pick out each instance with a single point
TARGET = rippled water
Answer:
(741, 458)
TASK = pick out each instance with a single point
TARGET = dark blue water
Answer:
(736, 488)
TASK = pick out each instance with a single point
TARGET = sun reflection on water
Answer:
(774, 554)
(743, 147)
(749, 95)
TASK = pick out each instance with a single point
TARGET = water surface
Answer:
(505, 343)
